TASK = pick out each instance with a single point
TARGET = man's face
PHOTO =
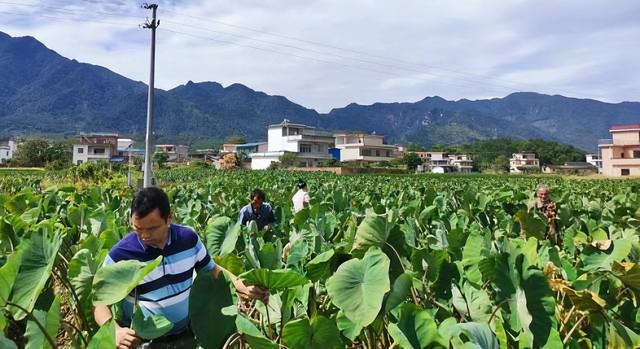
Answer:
(152, 229)
(256, 203)
(543, 194)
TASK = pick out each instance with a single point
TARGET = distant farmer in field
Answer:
(259, 211)
(545, 205)
(301, 197)
(165, 290)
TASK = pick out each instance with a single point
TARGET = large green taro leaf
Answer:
(541, 305)
(347, 327)
(8, 273)
(105, 338)
(273, 280)
(51, 322)
(415, 329)
(399, 292)
(319, 333)
(207, 299)
(151, 327)
(596, 259)
(473, 303)
(359, 285)
(480, 334)
(318, 267)
(222, 236)
(7, 343)
(114, 282)
(38, 257)
(531, 223)
(82, 268)
(269, 255)
(372, 231)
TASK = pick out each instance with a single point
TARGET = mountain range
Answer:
(44, 93)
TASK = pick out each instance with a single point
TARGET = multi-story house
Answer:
(621, 154)
(524, 162)
(441, 162)
(94, 147)
(462, 162)
(176, 152)
(7, 148)
(363, 147)
(309, 145)
(436, 161)
(595, 160)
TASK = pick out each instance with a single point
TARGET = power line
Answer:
(393, 66)
(360, 60)
(312, 58)
(209, 20)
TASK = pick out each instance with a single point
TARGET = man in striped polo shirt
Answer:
(164, 291)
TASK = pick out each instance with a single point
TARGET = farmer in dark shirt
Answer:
(259, 211)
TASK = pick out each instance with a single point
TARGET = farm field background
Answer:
(406, 261)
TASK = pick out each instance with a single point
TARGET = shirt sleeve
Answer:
(306, 198)
(241, 217)
(204, 261)
(108, 261)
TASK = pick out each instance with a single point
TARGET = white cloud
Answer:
(462, 49)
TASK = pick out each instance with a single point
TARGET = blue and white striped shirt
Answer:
(164, 291)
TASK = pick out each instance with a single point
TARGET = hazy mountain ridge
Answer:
(44, 93)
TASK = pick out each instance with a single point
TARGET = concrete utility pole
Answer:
(148, 151)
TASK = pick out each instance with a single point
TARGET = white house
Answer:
(523, 162)
(7, 148)
(462, 162)
(94, 147)
(310, 146)
(441, 162)
(359, 146)
(595, 160)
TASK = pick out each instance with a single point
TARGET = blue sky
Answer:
(327, 54)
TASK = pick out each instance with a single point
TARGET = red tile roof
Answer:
(628, 127)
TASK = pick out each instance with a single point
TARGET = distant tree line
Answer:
(494, 154)
(37, 152)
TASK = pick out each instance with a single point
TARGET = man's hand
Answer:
(252, 291)
(126, 338)
(285, 251)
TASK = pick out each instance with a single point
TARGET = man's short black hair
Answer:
(147, 200)
(301, 184)
(259, 194)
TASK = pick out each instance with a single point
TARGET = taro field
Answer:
(407, 261)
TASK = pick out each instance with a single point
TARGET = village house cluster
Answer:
(310, 147)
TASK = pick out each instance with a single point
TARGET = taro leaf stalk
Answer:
(274, 281)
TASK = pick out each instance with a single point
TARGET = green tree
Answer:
(288, 159)
(31, 153)
(160, 158)
(38, 152)
(411, 160)
(500, 164)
